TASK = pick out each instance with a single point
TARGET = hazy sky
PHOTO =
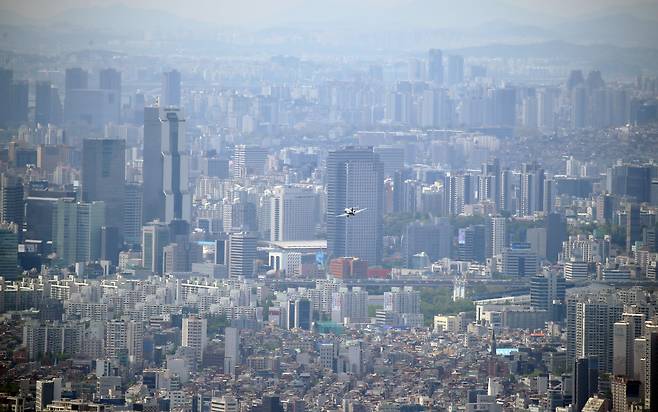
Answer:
(246, 10)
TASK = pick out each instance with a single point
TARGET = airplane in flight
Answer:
(351, 212)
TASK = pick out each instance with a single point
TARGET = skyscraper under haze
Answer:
(171, 88)
(166, 187)
(435, 66)
(355, 178)
(103, 177)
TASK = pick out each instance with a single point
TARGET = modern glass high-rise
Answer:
(12, 200)
(355, 178)
(132, 217)
(77, 230)
(103, 177)
(166, 165)
(155, 236)
(8, 252)
(242, 254)
(171, 88)
(435, 66)
(75, 78)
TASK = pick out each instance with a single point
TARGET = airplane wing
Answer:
(342, 215)
(360, 210)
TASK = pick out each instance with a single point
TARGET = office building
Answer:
(628, 180)
(575, 270)
(249, 161)
(171, 89)
(48, 107)
(435, 239)
(300, 314)
(294, 213)
(604, 208)
(12, 202)
(633, 226)
(471, 243)
(556, 233)
(8, 252)
(6, 77)
(402, 300)
(77, 230)
(103, 177)
(519, 261)
(435, 66)
(75, 78)
(585, 381)
(195, 336)
(242, 256)
(546, 288)
(47, 391)
(132, 214)
(392, 158)
(19, 101)
(224, 403)
(455, 69)
(231, 350)
(155, 236)
(166, 166)
(355, 178)
(623, 340)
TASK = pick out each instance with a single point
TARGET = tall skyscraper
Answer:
(171, 89)
(195, 335)
(132, 214)
(103, 177)
(585, 381)
(293, 213)
(242, 255)
(153, 167)
(48, 106)
(355, 178)
(231, 350)
(8, 252)
(455, 69)
(166, 166)
(633, 226)
(12, 200)
(435, 66)
(19, 100)
(110, 79)
(5, 95)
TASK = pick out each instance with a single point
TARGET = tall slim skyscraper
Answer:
(132, 217)
(12, 200)
(585, 381)
(633, 226)
(435, 66)
(5, 93)
(8, 252)
(153, 167)
(103, 177)
(455, 69)
(171, 88)
(47, 104)
(293, 213)
(231, 350)
(355, 178)
(166, 166)
(110, 79)
(18, 112)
